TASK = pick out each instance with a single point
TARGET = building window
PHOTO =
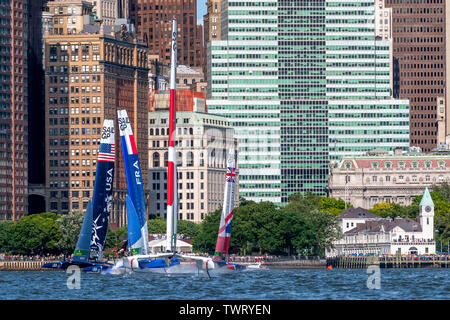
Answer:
(190, 159)
(374, 164)
(388, 164)
(155, 159)
(166, 159)
(179, 159)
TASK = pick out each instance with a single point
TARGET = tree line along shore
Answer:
(304, 227)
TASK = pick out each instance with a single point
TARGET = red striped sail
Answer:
(172, 214)
(223, 238)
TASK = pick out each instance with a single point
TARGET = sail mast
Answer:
(102, 197)
(172, 210)
(223, 238)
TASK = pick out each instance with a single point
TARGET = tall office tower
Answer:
(153, 22)
(211, 25)
(13, 109)
(89, 75)
(419, 34)
(303, 83)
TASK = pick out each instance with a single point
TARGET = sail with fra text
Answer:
(136, 198)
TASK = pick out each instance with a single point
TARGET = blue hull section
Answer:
(97, 268)
(157, 263)
(231, 266)
(63, 265)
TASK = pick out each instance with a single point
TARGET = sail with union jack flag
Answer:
(230, 174)
(223, 238)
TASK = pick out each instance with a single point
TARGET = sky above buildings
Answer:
(201, 11)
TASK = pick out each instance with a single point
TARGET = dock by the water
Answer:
(296, 264)
(391, 261)
(340, 262)
(22, 265)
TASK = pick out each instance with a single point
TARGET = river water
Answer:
(273, 284)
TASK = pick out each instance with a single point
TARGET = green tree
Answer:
(322, 226)
(188, 228)
(244, 232)
(325, 228)
(295, 232)
(69, 225)
(205, 241)
(332, 205)
(35, 234)
(443, 189)
(156, 225)
(303, 202)
(5, 227)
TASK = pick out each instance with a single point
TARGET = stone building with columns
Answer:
(379, 177)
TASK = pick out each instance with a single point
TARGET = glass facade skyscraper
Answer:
(303, 82)
(13, 109)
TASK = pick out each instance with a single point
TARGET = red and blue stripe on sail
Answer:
(133, 175)
(223, 238)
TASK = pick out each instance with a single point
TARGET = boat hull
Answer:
(63, 265)
(136, 264)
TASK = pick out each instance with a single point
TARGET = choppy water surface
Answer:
(275, 284)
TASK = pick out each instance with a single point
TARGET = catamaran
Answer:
(221, 258)
(91, 241)
(140, 258)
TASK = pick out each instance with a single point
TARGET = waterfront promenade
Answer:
(390, 261)
(25, 263)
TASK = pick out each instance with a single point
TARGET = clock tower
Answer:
(426, 215)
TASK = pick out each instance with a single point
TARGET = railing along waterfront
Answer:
(390, 261)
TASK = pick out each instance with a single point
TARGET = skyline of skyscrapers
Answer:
(303, 82)
(299, 97)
